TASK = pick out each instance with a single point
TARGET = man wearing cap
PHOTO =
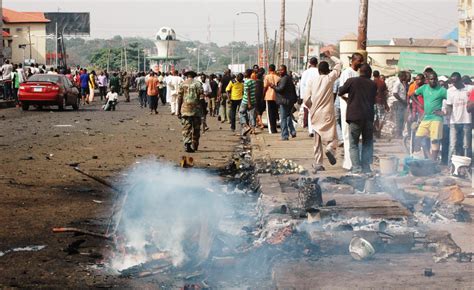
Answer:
(189, 111)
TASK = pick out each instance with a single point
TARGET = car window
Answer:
(67, 82)
(45, 78)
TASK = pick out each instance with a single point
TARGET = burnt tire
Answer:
(25, 106)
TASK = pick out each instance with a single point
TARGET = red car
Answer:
(48, 89)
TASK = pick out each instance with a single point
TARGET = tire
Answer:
(25, 106)
(75, 106)
(61, 105)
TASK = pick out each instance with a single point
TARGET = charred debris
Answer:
(308, 229)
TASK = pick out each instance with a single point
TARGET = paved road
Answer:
(40, 190)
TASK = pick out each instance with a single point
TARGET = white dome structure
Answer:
(166, 33)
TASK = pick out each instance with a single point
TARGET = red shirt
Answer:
(471, 96)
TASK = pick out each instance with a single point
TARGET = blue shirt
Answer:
(84, 81)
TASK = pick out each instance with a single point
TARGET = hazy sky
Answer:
(332, 19)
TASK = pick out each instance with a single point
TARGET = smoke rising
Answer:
(170, 210)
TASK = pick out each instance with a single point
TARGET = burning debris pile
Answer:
(279, 167)
(169, 214)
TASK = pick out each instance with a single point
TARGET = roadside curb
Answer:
(7, 104)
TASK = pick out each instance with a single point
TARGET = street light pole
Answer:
(258, 30)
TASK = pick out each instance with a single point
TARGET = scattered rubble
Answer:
(279, 167)
(35, 248)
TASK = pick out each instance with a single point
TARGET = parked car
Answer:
(48, 89)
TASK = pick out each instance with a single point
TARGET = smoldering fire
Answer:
(170, 210)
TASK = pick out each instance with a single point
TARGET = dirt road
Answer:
(40, 190)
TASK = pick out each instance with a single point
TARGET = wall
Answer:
(38, 40)
(379, 55)
(466, 33)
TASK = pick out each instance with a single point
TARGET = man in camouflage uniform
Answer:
(126, 86)
(189, 111)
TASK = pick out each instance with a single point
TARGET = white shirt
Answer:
(347, 74)
(400, 89)
(309, 74)
(111, 96)
(458, 99)
(173, 84)
(206, 87)
(6, 71)
(21, 75)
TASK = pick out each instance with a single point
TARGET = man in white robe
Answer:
(319, 98)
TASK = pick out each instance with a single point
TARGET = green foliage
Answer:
(95, 53)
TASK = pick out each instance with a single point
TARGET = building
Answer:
(383, 55)
(24, 36)
(466, 33)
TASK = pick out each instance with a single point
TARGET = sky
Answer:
(192, 20)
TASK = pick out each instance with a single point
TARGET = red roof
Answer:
(12, 16)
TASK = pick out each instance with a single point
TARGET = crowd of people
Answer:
(340, 108)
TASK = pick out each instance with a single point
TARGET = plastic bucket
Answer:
(388, 165)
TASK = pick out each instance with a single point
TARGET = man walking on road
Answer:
(126, 86)
(271, 79)
(319, 99)
(224, 110)
(141, 86)
(235, 91)
(247, 107)
(152, 84)
(7, 69)
(84, 87)
(174, 81)
(360, 116)
(103, 83)
(357, 60)
(189, 111)
(286, 98)
(308, 75)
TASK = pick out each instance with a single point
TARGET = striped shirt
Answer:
(249, 87)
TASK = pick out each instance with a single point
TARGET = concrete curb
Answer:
(7, 104)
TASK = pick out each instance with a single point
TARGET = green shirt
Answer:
(249, 85)
(190, 92)
(433, 98)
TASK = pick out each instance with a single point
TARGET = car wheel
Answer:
(25, 106)
(75, 106)
(62, 104)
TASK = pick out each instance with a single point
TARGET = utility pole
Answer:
(265, 36)
(282, 32)
(198, 59)
(1, 36)
(108, 60)
(138, 59)
(125, 55)
(233, 42)
(308, 35)
(121, 60)
(29, 40)
(363, 15)
(55, 44)
(274, 48)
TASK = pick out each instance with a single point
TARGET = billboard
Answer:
(237, 68)
(69, 23)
